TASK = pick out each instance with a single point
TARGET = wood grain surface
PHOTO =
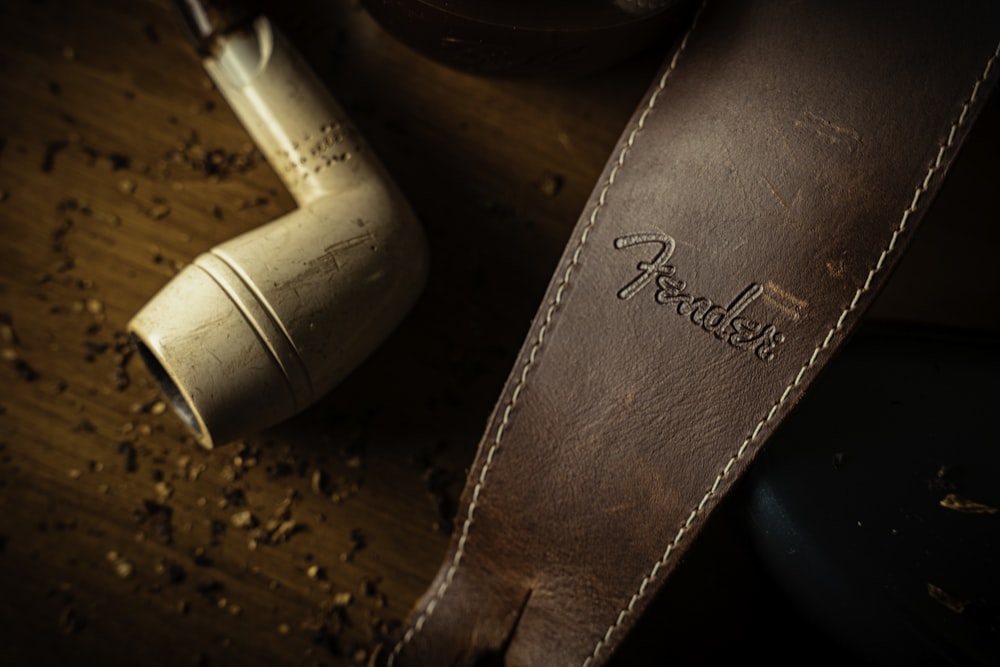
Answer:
(121, 541)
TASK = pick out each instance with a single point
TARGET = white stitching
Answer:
(900, 228)
(549, 316)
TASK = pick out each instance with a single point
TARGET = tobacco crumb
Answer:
(120, 379)
(551, 185)
(71, 621)
(940, 595)
(24, 370)
(91, 153)
(357, 544)
(163, 491)
(59, 236)
(284, 531)
(342, 599)
(64, 524)
(245, 520)
(159, 211)
(439, 481)
(318, 483)
(52, 149)
(216, 531)
(368, 587)
(67, 204)
(158, 518)
(126, 186)
(280, 469)
(119, 161)
(943, 480)
(74, 473)
(233, 496)
(210, 590)
(213, 162)
(200, 558)
(149, 30)
(955, 502)
(62, 266)
(84, 426)
(127, 449)
(175, 573)
(316, 572)
(246, 457)
(7, 333)
(124, 568)
(94, 350)
(284, 629)
(95, 347)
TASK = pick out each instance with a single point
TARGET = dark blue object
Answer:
(874, 507)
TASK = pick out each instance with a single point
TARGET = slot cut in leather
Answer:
(759, 198)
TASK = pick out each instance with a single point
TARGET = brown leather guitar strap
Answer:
(754, 205)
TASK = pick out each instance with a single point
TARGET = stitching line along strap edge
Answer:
(946, 144)
(549, 315)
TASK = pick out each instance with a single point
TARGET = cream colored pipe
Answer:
(261, 326)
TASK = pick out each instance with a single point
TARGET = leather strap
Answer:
(757, 201)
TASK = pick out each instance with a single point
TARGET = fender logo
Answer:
(726, 323)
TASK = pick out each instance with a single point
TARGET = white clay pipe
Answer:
(259, 327)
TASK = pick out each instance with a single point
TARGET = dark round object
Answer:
(877, 504)
(526, 37)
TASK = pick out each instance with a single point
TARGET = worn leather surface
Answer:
(754, 205)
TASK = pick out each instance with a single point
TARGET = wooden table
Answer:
(121, 541)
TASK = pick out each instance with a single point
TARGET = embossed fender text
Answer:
(727, 323)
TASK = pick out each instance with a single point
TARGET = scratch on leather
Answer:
(784, 300)
(781, 200)
(830, 131)
(550, 312)
(946, 143)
